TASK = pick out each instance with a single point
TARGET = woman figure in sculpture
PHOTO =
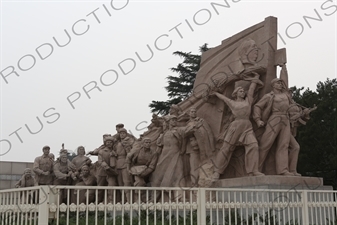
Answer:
(240, 132)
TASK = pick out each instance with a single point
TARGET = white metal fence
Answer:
(160, 206)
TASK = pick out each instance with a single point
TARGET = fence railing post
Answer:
(43, 205)
(201, 206)
(305, 208)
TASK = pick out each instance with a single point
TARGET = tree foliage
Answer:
(180, 86)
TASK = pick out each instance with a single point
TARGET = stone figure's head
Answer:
(85, 170)
(28, 173)
(155, 120)
(193, 142)
(126, 142)
(52, 156)
(63, 158)
(119, 126)
(109, 142)
(123, 133)
(248, 51)
(80, 150)
(46, 150)
(171, 120)
(147, 143)
(174, 110)
(278, 84)
(239, 92)
(63, 151)
(193, 112)
(141, 137)
(105, 136)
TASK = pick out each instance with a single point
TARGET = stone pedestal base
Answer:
(273, 182)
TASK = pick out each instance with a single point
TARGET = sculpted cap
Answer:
(273, 81)
(63, 152)
(122, 130)
(109, 138)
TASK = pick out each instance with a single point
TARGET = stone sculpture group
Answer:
(240, 121)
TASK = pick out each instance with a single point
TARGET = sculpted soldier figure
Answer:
(64, 172)
(182, 117)
(298, 115)
(95, 152)
(106, 171)
(154, 129)
(239, 132)
(141, 162)
(43, 168)
(123, 147)
(118, 127)
(281, 115)
(52, 156)
(86, 179)
(272, 111)
(80, 160)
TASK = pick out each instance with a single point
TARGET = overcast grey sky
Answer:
(105, 37)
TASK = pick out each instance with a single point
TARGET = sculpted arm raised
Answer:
(250, 93)
(252, 87)
(224, 98)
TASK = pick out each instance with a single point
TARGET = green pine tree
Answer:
(180, 86)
